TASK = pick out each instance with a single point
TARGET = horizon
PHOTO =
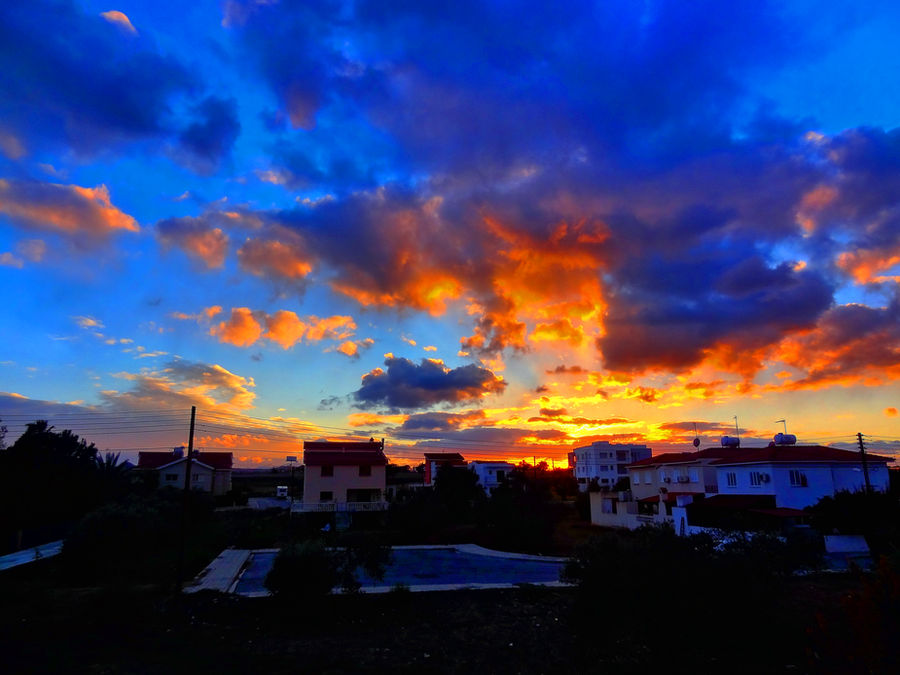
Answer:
(503, 232)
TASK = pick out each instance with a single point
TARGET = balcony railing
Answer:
(332, 507)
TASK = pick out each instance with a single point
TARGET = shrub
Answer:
(303, 572)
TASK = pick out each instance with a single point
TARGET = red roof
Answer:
(155, 460)
(795, 453)
(340, 446)
(313, 457)
(684, 457)
(444, 457)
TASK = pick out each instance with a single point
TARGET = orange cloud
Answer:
(242, 328)
(70, 209)
(890, 412)
(245, 327)
(120, 19)
(865, 264)
(277, 259)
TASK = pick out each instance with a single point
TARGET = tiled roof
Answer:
(669, 497)
(154, 460)
(339, 446)
(795, 453)
(684, 457)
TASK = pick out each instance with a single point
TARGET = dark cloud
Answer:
(440, 421)
(210, 136)
(406, 385)
(78, 81)
(567, 370)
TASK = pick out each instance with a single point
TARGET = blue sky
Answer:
(483, 227)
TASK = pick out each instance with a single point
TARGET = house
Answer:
(435, 460)
(755, 488)
(491, 474)
(604, 462)
(210, 471)
(798, 476)
(343, 476)
(402, 482)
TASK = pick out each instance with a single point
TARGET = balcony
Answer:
(335, 507)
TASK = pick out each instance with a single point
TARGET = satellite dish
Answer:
(696, 442)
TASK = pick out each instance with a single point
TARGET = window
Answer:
(326, 496)
(620, 455)
(195, 477)
(755, 480)
(327, 470)
(798, 479)
(731, 479)
(663, 475)
(365, 470)
(171, 477)
(648, 477)
(695, 475)
(636, 478)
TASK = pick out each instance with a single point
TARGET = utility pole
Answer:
(865, 464)
(185, 502)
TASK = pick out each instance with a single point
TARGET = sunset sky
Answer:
(465, 226)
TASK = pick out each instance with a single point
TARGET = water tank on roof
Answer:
(785, 439)
(731, 442)
(178, 452)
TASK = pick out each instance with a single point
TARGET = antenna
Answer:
(696, 437)
(736, 430)
(784, 422)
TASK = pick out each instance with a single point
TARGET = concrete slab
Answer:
(221, 573)
(30, 554)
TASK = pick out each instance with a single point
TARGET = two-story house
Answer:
(491, 474)
(344, 476)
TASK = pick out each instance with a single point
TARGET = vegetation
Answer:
(48, 480)
(875, 515)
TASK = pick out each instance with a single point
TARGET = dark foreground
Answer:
(117, 629)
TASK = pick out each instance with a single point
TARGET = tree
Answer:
(47, 479)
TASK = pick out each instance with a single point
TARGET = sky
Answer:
(497, 228)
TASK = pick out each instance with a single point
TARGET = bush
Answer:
(303, 572)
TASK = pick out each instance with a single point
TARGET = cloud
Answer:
(211, 134)
(439, 421)
(850, 344)
(890, 412)
(196, 236)
(245, 327)
(80, 85)
(7, 259)
(88, 322)
(181, 384)
(281, 256)
(118, 18)
(406, 385)
(241, 329)
(353, 348)
(87, 213)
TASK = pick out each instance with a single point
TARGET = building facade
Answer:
(491, 475)
(210, 471)
(341, 476)
(435, 460)
(606, 462)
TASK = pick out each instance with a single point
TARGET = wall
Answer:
(204, 482)
(344, 478)
(626, 515)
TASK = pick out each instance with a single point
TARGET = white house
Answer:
(491, 474)
(604, 461)
(798, 476)
(766, 487)
(435, 460)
